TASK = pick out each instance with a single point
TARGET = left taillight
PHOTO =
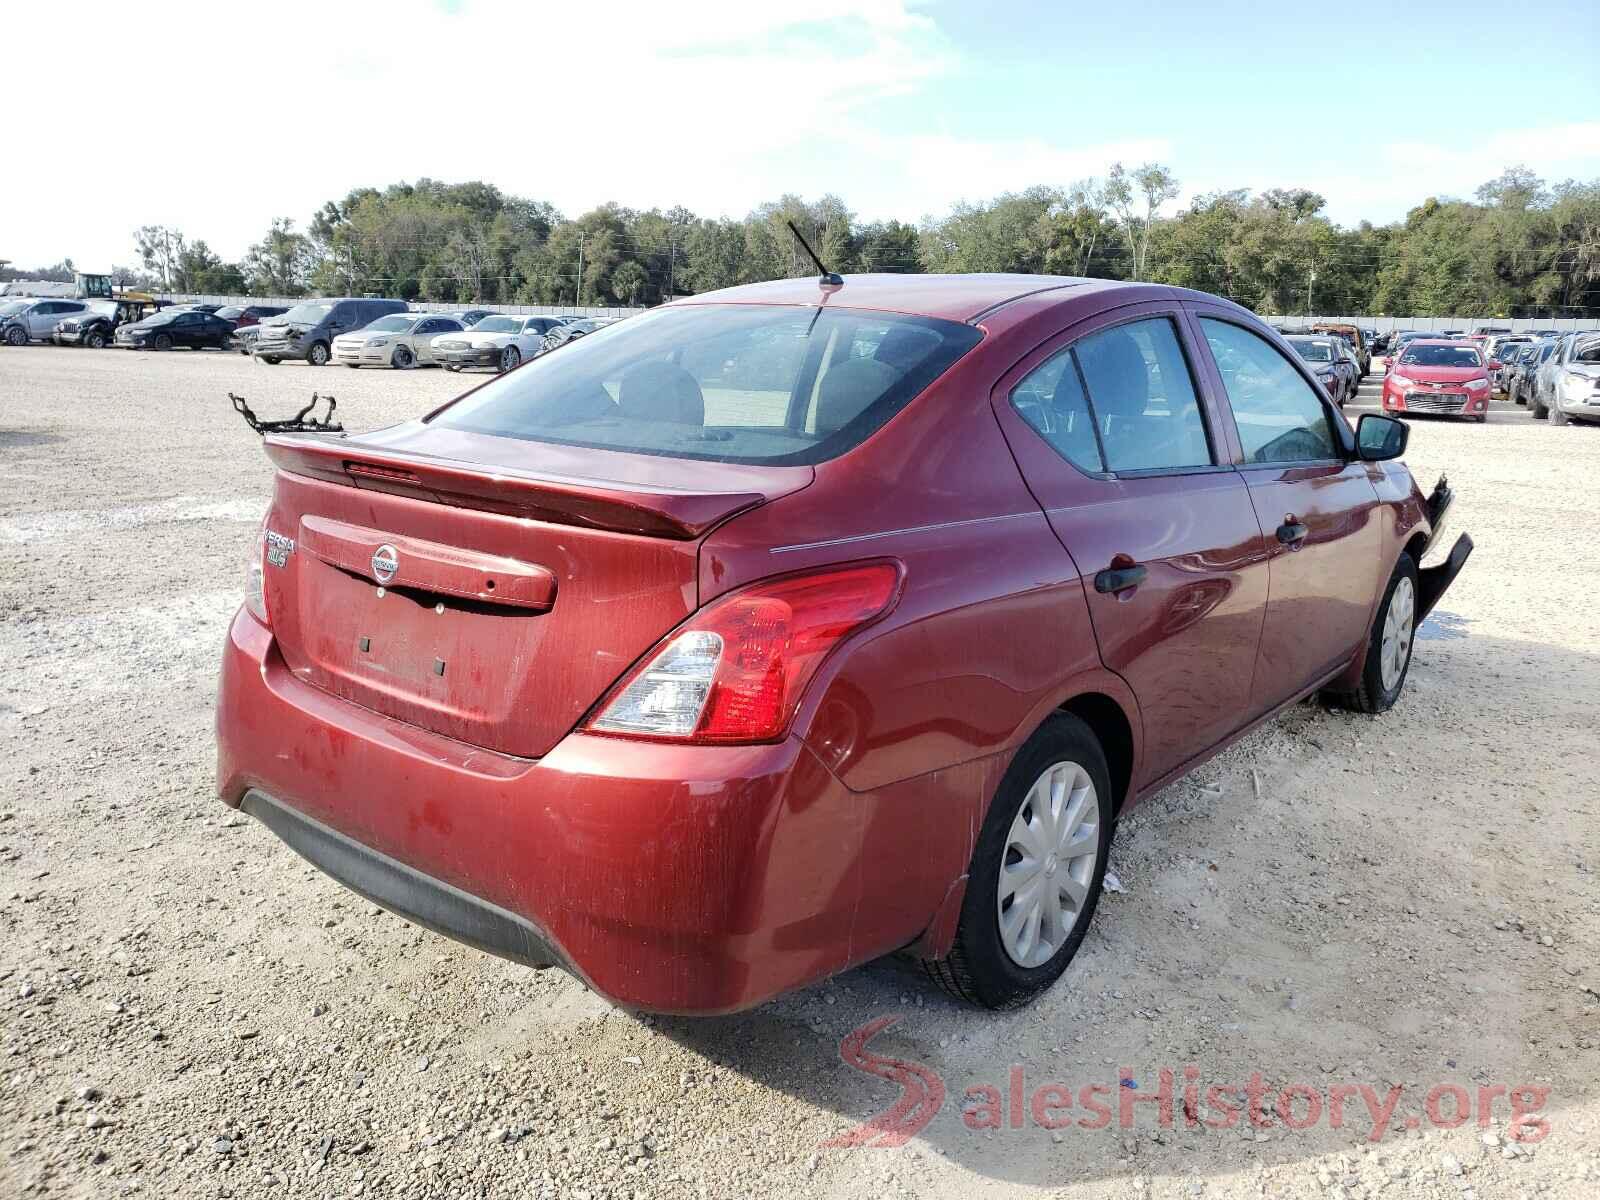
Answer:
(736, 671)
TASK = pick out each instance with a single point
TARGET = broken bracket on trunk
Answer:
(301, 422)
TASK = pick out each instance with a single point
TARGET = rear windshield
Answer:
(1441, 356)
(727, 383)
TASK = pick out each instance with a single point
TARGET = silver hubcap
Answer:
(508, 358)
(1397, 632)
(1049, 859)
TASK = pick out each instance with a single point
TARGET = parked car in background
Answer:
(727, 690)
(470, 316)
(399, 340)
(498, 340)
(1357, 342)
(1401, 340)
(24, 321)
(244, 316)
(1441, 377)
(176, 328)
(1517, 373)
(1498, 349)
(307, 330)
(1568, 382)
(1332, 362)
(97, 326)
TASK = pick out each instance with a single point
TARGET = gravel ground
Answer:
(187, 1009)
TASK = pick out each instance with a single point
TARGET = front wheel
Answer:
(16, 336)
(1037, 870)
(510, 359)
(163, 341)
(1540, 412)
(402, 359)
(95, 340)
(317, 356)
(1388, 658)
(1557, 417)
(271, 360)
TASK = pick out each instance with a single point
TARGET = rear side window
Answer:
(1143, 397)
(726, 383)
(1279, 417)
(1050, 398)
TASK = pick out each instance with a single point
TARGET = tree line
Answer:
(1519, 247)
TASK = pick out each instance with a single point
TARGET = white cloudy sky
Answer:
(902, 108)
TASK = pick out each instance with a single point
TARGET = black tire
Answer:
(978, 968)
(1373, 695)
(354, 366)
(163, 341)
(510, 359)
(1540, 412)
(16, 336)
(95, 339)
(317, 355)
(1557, 417)
(271, 360)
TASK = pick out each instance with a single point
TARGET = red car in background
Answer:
(775, 630)
(1433, 375)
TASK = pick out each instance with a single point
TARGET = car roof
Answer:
(949, 297)
(1444, 341)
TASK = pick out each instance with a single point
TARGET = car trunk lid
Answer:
(486, 588)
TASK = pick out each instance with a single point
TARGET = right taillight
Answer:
(255, 592)
(737, 670)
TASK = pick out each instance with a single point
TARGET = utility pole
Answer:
(1311, 278)
(579, 303)
(672, 262)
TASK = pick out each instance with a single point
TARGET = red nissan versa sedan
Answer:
(1437, 375)
(769, 632)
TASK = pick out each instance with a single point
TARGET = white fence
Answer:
(521, 310)
(1435, 324)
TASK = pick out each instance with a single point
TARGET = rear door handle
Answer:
(1119, 579)
(1292, 532)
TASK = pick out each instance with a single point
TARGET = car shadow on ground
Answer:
(1284, 929)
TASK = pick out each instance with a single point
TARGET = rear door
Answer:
(1318, 510)
(1119, 443)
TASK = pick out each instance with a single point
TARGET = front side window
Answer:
(1279, 417)
(721, 382)
(1143, 397)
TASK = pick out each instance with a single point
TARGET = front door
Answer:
(1118, 443)
(1318, 509)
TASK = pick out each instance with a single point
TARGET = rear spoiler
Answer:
(656, 511)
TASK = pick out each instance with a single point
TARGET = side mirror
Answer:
(1494, 364)
(1380, 438)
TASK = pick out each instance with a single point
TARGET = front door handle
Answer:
(1119, 579)
(1292, 532)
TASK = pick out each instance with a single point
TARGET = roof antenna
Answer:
(827, 278)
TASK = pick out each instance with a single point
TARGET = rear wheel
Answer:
(1388, 658)
(317, 356)
(1036, 872)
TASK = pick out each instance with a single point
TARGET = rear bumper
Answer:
(404, 890)
(674, 879)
